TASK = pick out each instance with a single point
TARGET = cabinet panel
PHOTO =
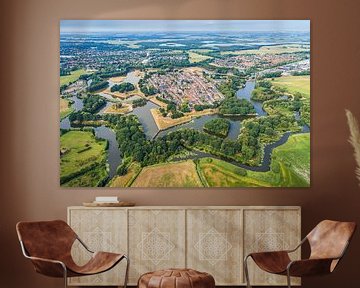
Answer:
(214, 244)
(269, 230)
(101, 230)
(156, 240)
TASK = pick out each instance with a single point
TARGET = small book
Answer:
(105, 202)
(107, 199)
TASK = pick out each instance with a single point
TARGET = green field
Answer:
(294, 84)
(195, 57)
(290, 167)
(65, 80)
(276, 49)
(83, 159)
(176, 174)
(130, 43)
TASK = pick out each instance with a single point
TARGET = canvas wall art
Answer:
(180, 103)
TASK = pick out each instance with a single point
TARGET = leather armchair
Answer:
(328, 242)
(48, 245)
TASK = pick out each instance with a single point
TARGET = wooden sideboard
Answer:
(211, 239)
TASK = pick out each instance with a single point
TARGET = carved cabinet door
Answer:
(156, 240)
(101, 230)
(214, 244)
(270, 230)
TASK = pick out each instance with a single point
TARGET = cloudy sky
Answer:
(184, 25)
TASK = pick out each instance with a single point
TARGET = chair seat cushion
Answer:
(176, 278)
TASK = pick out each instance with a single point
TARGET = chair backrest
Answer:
(46, 239)
(329, 239)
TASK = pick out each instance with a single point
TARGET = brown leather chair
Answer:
(48, 245)
(328, 242)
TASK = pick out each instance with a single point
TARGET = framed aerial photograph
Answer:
(184, 103)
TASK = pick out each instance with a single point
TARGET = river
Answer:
(103, 132)
(146, 119)
(77, 105)
(131, 77)
(151, 130)
(114, 158)
(245, 93)
(265, 164)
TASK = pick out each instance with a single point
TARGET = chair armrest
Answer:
(280, 251)
(49, 267)
(269, 252)
(46, 260)
(309, 267)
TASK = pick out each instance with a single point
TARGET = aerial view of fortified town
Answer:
(185, 103)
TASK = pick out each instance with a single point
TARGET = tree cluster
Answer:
(229, 87)
(97, 85)
(164, 100)
(235, 106)
(274, 74)
(263, 91)
(301, 73)
(139, 102)
(123, 87)
(133, 143)
(93, 103)
(148, 90)
(198, 107)
(282, 106)
(219, 127)
(80, 116)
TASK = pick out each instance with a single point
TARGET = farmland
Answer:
(195, 57)
(83, 159)
(74, 75)
(178, 174)
(65, 108)
(293, 84)
(276, 49)
(290, 168)
(127, 179)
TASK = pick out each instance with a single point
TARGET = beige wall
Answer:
(29, 118)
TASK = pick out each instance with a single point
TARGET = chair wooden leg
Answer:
(246, 270)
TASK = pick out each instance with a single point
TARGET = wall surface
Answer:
(29, 178)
